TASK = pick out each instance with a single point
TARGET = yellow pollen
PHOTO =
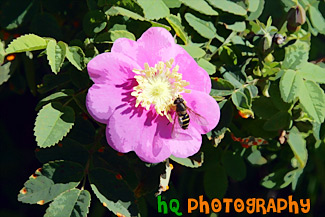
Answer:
(159, 86)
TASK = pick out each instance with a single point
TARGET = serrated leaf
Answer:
(298, 146)
(121, 34)
(154, 9)
(71, 203)
(289, 85)
(51, 81)
(54, 96)
(215, 182)
(189, 162)
(296, 55)
(256, 158)
(176, 23)
(173, 3)
(221, 87)
(53, 122)
(312, 72)
(5, 72)
(200, 6)
(115, 10)
(317, 18)
(55, 55)
(50, 181)
(194, 51)
(256, 13)
(76, 57)
(207, 66)
(113, 193)
(240, 100)
(204, 28)
(312, 99)
(228, 6)
(29, 42)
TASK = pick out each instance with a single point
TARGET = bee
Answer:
(185, 116)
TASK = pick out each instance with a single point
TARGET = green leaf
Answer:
(259, 4)
(298, 146)
(5, 72)
(115, 10)
(121, 34)
(74, 202)
(176, 23)
(289, 85)
(221, 87)
(2, 52)
(154, 9)
(173, 3)
(312, 72)
(50, 181)
(256, 158)
(76, 57)
(113, 193)
(54, 96)
(240, 100)
(228, 6)
(215, 182)
(194, 51)
(264, 108)
(189, 162)
(94, 22)
(207, 66)
(51, 81)
(200, 6)
(317, 18)
(55, 55)
(234, 165)
(204, 28)
(296, 55)
(53, 122)
(312, 99)
(237, 26)
(63, 152)
(29, 42)
(278, 121)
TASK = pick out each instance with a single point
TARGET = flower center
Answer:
(159, 86)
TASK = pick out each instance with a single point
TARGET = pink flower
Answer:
(134, 89)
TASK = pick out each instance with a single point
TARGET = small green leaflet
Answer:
(50, 181)
(316, 17)
(289, 85)
(194, 51)
(53, 122)
(256, 158)
(256, 10)
(228, 6)
(121, 34)
(173, 3)
(204, 28)
(207, 66)
(234, 165)
(312, 72)
(200, 6)
(115, 10)
(4, 72)
(70, 203)
(298, 146)
(189, 162)
(76, 57)
(55, 55)
(176, 23)
(29, 42)
(154, 9)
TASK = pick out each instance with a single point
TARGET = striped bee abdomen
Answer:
(184, 120)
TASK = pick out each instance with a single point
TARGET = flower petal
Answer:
(136, 129)
(111, 68)
(199, 79)
(101, 101)
(207, 109)
(156, 44)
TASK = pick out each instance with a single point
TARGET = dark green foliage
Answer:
(271, 135)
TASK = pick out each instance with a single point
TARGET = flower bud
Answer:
(296, 18)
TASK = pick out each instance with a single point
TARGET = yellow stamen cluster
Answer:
(158, 86)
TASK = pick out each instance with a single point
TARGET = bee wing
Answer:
(178, 132)
(198, 119)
